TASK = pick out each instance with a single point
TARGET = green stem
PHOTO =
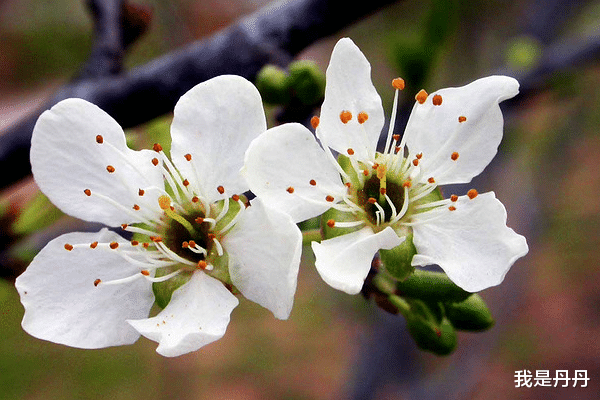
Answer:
(313, 235)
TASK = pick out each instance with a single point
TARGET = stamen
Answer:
(462, 118)
(345, 116)
(93, 245)
(454, 198)
(421, 97)
(141, 192)
(97, 282)
(350, 152)
(472, 194)
(164, 277)
(398, 83)
(87, 192)
(155, 161)
(452, 208)
(437, 100)
(68, 247)
(349, 224)
(454, 156)
(431, 180)
(110, 169)
(314, 122)
(331, 223)
(362, 117)
(235, 218)
(313, 182)
(188, 157)
(218, 245)
(157, 147)
(329, 198)
(114, 245)
(290, 190)
(99, 139)
(220, 189)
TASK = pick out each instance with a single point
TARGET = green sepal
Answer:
(470, 315)
(164, 290)
(431, 286)
(397, 260)
(307, 82)
(273, 85)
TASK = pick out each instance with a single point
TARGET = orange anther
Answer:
(454, 156)
(396, 137)
(99, 139)
(199, 220)
(136, 207)
(141, 192)
(462, 119)
(220, 189)
(97, 282)
(124, 226)
(155, 161)
(350, 152)
(145, 272)
(164, 202)
(362, 117)
(192, 243)
(431, 180)
(87, 192)
(454, 198)
(93, 245)
(331, 223)
(202, 264)
(134, 242)
(398, 83)
(290, 189)
(185, 245)
(382, 191)
(188, 157)
(195, 199)
(365, 172)
(407, 184)
(372, 200)
(110, 168)
(419, 156)
(329, 198)
(437, 100)
(145, 245)
(421, 96)
(235, 197)
(113, 245)
(157, 147)
(186, 183)
(313, 182)
(452, 208)
(472, 194)
(314, 122)
(345, 116)
(415, 162)
(68, 247)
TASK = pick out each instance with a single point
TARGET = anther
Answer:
(396, 137)
(155, 239)
(415, 162)
(431, 180)
(372, 200)
(350, 152)
(220, 189)
(195, 199)
(348, 184)
(365, 172)
(290, 190)
(452, 208)
(202, 265)
(141, 192)
(93, 245)
(199, 220)
(398, 83)
(211, 236)
(186, 183)
(421, 96)
(437, 100)
(99, 139)
(145, 245)
(124, 226)
(164, 202)
(185, 245)
(188, 157)
(136, 207)
(191, 243)
(134, 242)
(454, 156)
(362, 117)
(110, 168)
(157, 147)
(419, 156)
(68, 247)
(235, 197)
(453, 198)
(87, 192)
(145, 272)
(472, 194)
(331, 223)
(155, 161)
(329, 198)
(383, 191)
(113, 245)
(375, 166)
(313, 182)
(462, 118)
(397, 149)
(345, 116)
(314, 122)
(97, 282)
(407, 184)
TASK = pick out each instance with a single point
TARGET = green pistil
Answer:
(184, 222)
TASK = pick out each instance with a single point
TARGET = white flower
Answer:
(381, 199)
(190, 226)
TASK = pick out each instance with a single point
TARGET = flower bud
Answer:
(307, 82)
(272, 83)
(470, 315)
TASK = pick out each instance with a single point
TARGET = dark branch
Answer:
(273, 35)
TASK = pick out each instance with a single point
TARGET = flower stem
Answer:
(313, 235)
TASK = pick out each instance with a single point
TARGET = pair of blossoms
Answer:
(197, 242)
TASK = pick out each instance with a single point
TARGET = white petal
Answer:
(198, 314)
(286, 158)
(66, 159)
(264, 256)
(472, 244)
(215, 122)
(435, 131)
(62, 304)
(344, 261)
(349, 88)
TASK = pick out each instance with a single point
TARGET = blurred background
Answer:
(336, 346)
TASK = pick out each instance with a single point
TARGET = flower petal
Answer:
(472, 244)
(344, 261)
(73, 147)
(264, 251)
(286, 167)
(62, 304)
(215, 122)
(198, 314)
(349, 88)
(438, 131)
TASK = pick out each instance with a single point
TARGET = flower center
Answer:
(372, 198)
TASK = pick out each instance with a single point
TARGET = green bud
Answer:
(470, 315)
(430, 333)
(431, 286)
(307, 82)
(397, 260)
(272, 83)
